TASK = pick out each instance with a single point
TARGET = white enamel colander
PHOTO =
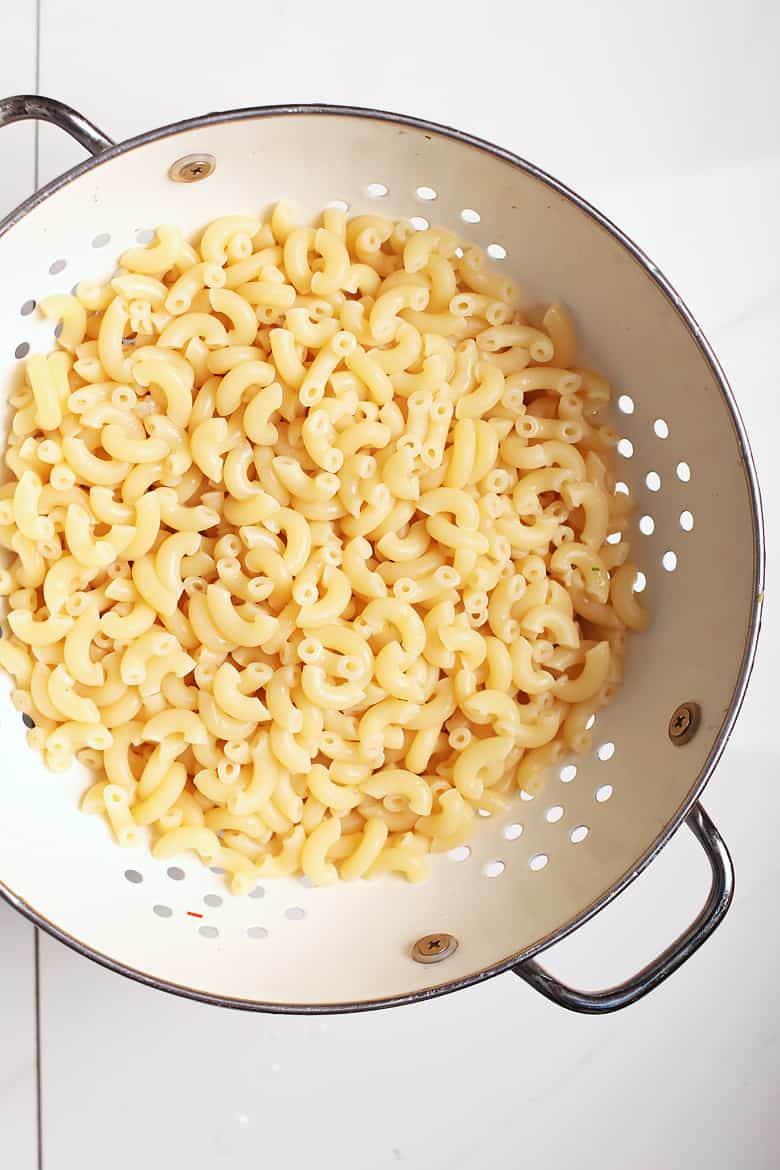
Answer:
(536, 873)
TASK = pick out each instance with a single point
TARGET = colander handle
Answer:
(28, 105)
(614, 998)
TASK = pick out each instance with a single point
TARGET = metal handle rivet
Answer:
(432, 948)
(191, 168)
(684, 723)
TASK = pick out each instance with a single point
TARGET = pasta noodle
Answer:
(308, 546)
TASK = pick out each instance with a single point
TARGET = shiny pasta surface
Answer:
(313, 546)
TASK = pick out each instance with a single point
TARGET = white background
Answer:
(665, 115)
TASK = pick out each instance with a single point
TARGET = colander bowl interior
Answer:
(527, 876)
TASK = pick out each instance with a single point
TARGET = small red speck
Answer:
(192, 914)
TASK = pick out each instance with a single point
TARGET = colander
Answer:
(528, 877)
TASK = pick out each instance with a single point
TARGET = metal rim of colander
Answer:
(748, 656)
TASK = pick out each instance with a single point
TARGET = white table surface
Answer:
(665, 116)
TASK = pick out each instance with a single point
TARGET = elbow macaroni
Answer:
(308, 545)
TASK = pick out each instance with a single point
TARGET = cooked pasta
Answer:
(314, 547)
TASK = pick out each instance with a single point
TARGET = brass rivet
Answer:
(192, 168)
(432, 948)
(684, 723)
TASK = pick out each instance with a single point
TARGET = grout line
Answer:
(38, 1048)
(38, 1103)
(37, 130)
(37, 936)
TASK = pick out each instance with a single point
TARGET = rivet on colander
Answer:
(684, 723)
(432, 948)
(191, 168)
